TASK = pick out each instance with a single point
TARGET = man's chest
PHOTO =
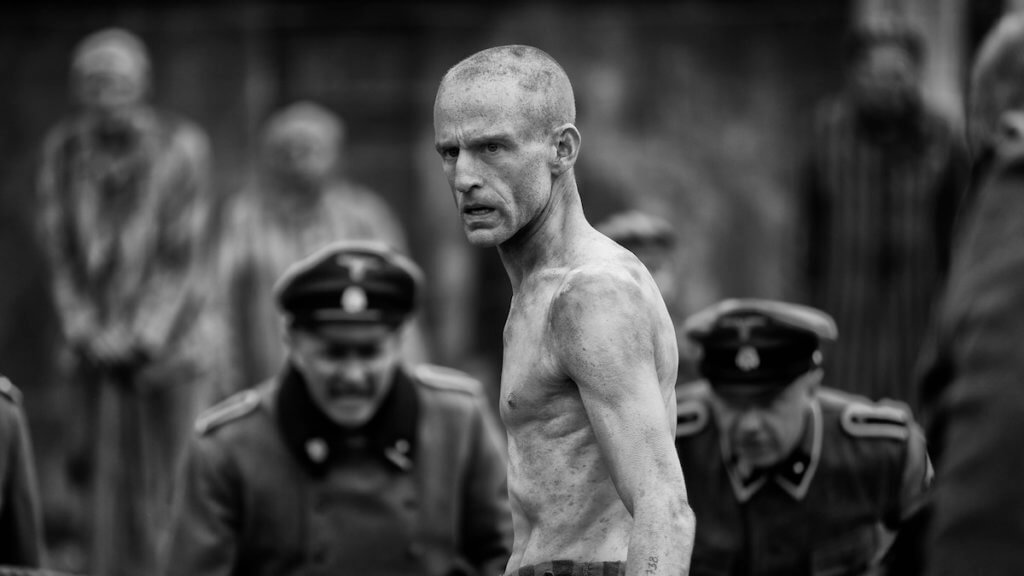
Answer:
(531, 377)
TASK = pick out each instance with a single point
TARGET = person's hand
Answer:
(113, 349)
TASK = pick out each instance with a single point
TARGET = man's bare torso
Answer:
(564, 503)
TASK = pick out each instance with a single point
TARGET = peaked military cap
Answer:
(755, 341)
(350, 281)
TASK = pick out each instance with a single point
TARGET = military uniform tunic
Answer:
(831, 508)
(20, 527)
(269, 496)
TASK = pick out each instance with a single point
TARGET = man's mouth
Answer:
(347, 393)
(752, 445)
(477, 211)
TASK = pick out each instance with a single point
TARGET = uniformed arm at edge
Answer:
(207, 513)
(20, 511)
(486, 533)
(917, 474)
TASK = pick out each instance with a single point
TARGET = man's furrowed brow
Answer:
(475, 140)
(499, 137)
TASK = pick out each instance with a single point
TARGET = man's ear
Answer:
(567, 148)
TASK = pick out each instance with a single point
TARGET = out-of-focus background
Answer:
(698, 110)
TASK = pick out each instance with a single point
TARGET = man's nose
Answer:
(750, 420)
(350, 372)
(467, 176)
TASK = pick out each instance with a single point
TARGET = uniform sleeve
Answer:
(21, 542)
(205, 531)
(978, 501)
(173, 292)
(917, 475)
(487, 521)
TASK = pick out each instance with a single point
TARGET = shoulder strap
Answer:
(691, 417)
(449, 379)
(233, 408)
(880, 420)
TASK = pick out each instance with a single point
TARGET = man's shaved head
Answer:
(532, 70)
(503, 126)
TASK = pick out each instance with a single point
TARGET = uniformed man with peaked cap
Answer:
(787, 476)
(348, 461)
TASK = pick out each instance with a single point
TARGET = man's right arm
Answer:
(204, 536)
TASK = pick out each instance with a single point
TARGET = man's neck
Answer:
(545, 241)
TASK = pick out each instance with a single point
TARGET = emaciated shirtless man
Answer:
(590, 352)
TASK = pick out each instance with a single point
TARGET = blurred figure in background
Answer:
(298, 204)
(21, 536)
(973, 371)
(352, 460)
(787, 476)
(654, 242)
(124, 215)
(882, 186)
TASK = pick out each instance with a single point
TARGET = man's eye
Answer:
(492, 147)
(450, 153)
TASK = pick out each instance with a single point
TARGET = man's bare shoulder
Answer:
(603, 299)
(608, 275)
(594, 284)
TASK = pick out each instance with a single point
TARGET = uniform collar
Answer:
(793, 475)
(319, 443)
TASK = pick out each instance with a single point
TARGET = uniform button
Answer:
(798, 468)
